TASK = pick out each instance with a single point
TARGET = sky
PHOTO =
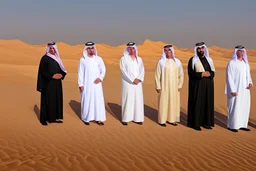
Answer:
(224, 23)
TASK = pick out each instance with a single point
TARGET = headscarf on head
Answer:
(162, 60)
(89, 44)
(240, 47)
(206, 54)
(130, 44)
(56, 56)
(163, 57)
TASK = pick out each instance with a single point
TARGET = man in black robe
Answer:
(51, 72)
(201, 72)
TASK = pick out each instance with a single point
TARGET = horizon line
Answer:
(145, 40)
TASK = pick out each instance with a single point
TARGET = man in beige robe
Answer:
(169, 77)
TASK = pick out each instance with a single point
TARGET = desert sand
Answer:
(26, 145)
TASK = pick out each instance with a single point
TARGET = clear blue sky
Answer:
(224, 23)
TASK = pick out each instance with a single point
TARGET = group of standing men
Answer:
(169, 77)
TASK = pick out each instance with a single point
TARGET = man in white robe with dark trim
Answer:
(238, 85)
(169, 79)
(132, 76)
(91, 72)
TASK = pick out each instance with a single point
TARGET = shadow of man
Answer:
(76, 107)
(252, 124)
(37, 111)
(151, 113)
(183, 119)
(115, 110)
(220, 119)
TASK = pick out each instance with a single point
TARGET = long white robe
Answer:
(237, 80)
(132, 95)
(92, 99)
(169, 77)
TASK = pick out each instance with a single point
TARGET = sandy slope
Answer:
(26, 145)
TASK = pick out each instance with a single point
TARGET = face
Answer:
(168, 52)
(90, 51)
(200, 51)
(52, 50)
(239, 53)
(131, 50)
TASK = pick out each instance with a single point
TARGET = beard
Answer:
(200, 54)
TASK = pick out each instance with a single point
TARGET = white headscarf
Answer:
(206, 54)
(163, 58)
(130, 44)
(240, 47)
(56, 56)
(89, 44)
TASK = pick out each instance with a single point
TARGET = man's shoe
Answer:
(100, 123)
(125, 123)
(163, 125)
(245, 129)
(44, 123)
(86, 123)
(173, 124)
(198, 129)
(207, 127)
(139, 123)
(233, 130)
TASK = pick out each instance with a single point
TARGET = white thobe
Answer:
(132, 95)
(92, 99)
(238, 79)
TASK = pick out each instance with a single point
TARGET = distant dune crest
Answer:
(23, 53)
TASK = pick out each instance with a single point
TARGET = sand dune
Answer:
(26, 145)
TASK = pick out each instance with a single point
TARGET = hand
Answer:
(158, 90)
(98, 80)
(250, 86)
(179, 89)
(81, 88)
(206, 74)
(234, 94)
(136, 81)
(57, 76)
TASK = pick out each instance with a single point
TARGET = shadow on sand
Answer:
(151, 113)
(76, 107)
(115, 110)
(37, 111)
(252, 123)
